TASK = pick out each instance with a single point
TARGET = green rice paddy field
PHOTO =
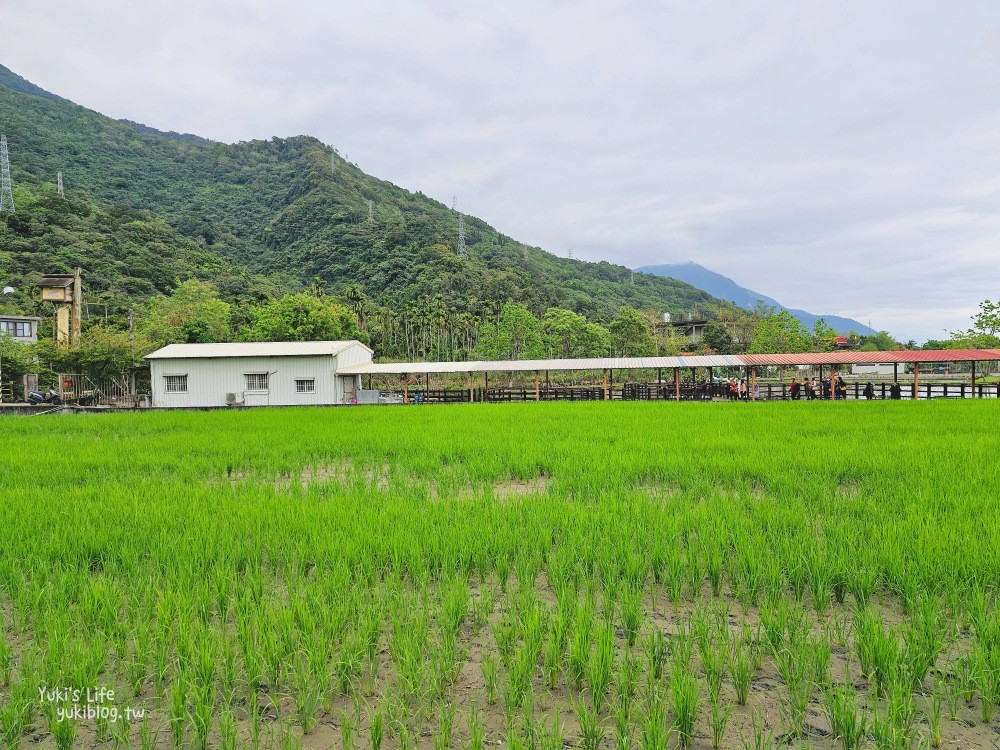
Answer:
(539, 576)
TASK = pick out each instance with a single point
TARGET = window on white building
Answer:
(256, 381)
(305, 385)
(175, 383)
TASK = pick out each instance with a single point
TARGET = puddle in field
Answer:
(521, 487)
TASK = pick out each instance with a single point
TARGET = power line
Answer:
(6, 195)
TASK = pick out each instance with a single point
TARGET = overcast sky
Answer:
(842, 157)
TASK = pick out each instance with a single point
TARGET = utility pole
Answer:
(6, 195)
(75, 317)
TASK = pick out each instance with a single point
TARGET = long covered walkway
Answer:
(764, 376)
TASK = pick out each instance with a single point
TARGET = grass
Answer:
(256, 577)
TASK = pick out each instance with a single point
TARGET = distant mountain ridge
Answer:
(725, 288)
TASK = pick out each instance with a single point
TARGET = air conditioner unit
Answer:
(230, 399)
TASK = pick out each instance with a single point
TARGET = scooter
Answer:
(36, 398)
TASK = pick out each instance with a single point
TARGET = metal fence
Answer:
(767, 391)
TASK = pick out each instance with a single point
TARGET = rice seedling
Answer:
(684, 692)
(632, 614)
(933, 712)
(477, 732)
(376, 727)
(601, 665)
(63, 730)
(850, 726)
(178, 711)
(760, 739)
(228, 734)
(656, 654)
(147, 735)
(742, 670)
(719, 720)
(623, 725)
(655, 732)
(550, 735)
(592, 727)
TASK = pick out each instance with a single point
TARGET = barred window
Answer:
(256, 381)
(175, 383)
(305, 385)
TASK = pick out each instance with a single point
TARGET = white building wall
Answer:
(210, 379)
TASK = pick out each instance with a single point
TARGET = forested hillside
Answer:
(287, 210)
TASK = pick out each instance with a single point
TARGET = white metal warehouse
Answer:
(256, 374)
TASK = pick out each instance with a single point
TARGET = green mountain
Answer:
(260, 214)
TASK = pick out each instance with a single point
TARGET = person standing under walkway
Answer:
(794, 390)
(869, 391)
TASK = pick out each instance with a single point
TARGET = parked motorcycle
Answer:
(36, 398)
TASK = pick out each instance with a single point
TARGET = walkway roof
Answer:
(644, 363)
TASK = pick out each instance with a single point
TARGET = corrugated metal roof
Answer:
(650, 363)
(863, 358)
(254, 349)
(530, 365)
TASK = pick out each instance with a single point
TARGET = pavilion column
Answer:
(546, 384)
(486, 386)
(406, 391)
(833, 382)
(916, 381)
(973, 378)
(895, 372)
(427, 383)
(659, 376)
(677, 383)
(537, 386)
(472, 393)
(753, 383)
(605, 384)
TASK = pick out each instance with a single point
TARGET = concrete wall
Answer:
(210, 379)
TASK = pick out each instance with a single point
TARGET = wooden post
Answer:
(753, 383)
(973, 379)
(406, 391)
(659, 376)
(486, 386)
(537, 387)
(472, 384)
(916, 381)
(833, 382)
(895, 372)
(427, 384)
(546, 385)
(369, 381)
(677, 383)
(605, 384)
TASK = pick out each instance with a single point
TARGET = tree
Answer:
(517, 335)
(567, 334)
(985, 331)
(302, 317)
(192, 314)
(778, 333)
(824, 336)
(631, 335)
(717, 338)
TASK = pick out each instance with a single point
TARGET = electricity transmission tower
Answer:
(59, 185)
(569, 253)
(6, 196)
(462, 253)
(371, 212)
